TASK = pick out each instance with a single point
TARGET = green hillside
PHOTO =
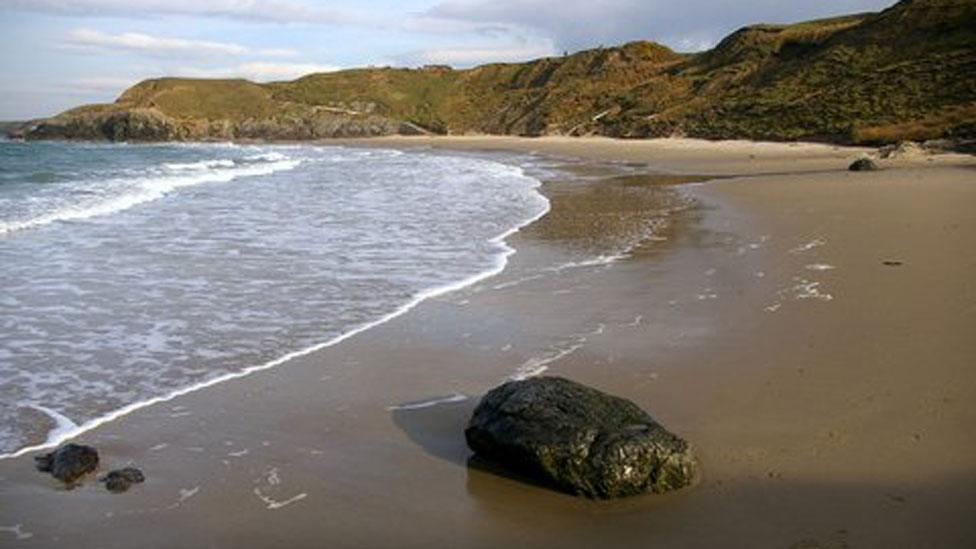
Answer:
(908, 72)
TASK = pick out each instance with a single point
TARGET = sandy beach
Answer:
(808, 329)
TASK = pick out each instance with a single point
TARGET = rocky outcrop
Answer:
(112, 125)
(12, 129)
(68, 463)
(578, 439)
(149, 125)
(905, 149)
(121, 480)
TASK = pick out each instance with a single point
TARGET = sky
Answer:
(59, 54)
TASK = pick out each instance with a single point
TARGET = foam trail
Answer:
(593, 262)
(599, 261)
(500, 263)
(537, 366)
(18, 532)
(62, 425)
(430, 403)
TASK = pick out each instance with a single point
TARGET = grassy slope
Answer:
(197, 98)
(836, 80)
(907, 72)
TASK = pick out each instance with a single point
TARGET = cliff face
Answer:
(908, 72)
(173, 109)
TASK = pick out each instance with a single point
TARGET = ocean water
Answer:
(131, 272)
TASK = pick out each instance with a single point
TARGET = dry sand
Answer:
(831, 396)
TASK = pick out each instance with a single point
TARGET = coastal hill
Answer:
(908, 72)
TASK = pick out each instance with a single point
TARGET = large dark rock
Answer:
(69, 462)
(864, 165)
(121, 479)
(579, 439)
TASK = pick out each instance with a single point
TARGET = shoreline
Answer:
(793, 451)
(65, 430)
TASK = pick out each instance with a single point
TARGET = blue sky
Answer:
(62, 53)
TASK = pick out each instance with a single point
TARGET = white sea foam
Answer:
(539, 206)
(536, 366)
(270, 481)
(599, 261)
(807, 289)
(203, 165)
(273, 504)
(141, 190)
(636, 322)
(17, 531)
(62, 425)
(430, 403)
(273, 156)
(815, 243)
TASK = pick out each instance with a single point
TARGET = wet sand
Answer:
(810, 330)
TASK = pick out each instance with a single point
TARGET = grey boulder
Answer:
(578, 439)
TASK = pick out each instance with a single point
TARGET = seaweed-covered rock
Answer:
(864, 165)
(69, 462)
(120, 480)
(581, 440)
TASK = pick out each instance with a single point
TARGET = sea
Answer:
(133, 273)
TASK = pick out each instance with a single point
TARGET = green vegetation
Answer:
(203, 99)
(908, 72)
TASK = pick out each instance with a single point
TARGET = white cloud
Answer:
(260, 71)
(275, 52)
(271, 11)
(570, 24)
(145, 43)
(468, 56)
(578, 24)
(691, 44)
(110, 84)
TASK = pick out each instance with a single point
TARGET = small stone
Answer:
(864, 165)
(121, 480)
(68, 463)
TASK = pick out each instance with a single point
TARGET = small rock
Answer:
(897, 498)
(581, 440)
(121, 479)
(69, 462)
(864, 165)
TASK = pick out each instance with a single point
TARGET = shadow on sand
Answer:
(439, 430)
